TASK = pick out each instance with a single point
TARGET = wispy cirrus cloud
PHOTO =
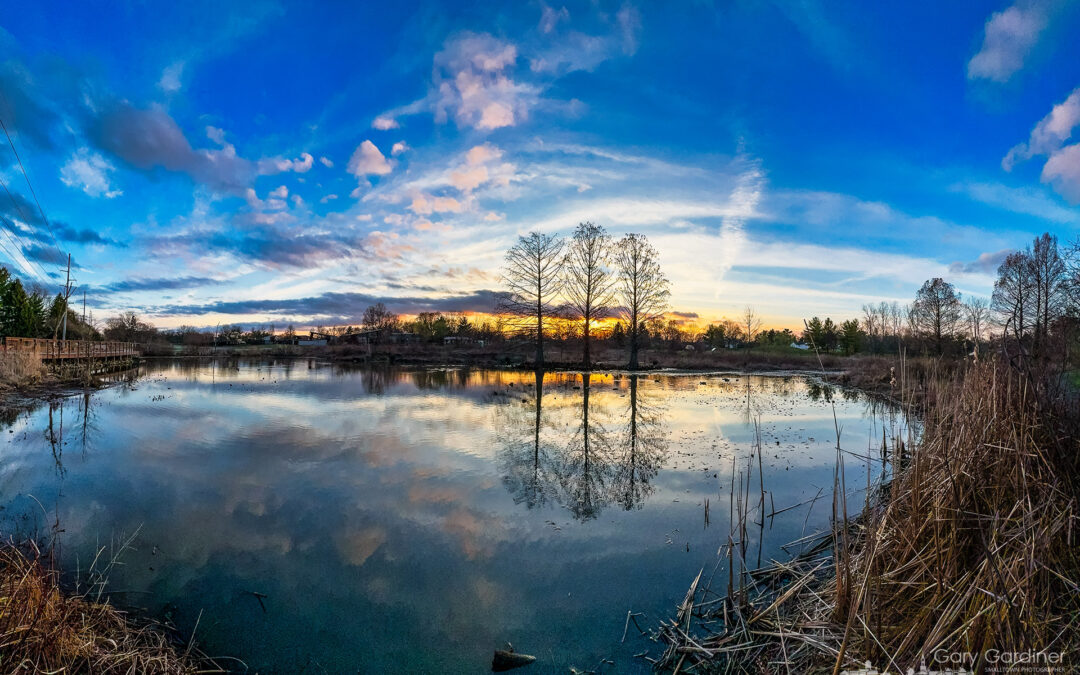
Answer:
(160, 284)
(338, 307)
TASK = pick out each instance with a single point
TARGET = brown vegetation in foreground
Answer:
(971, 548)
(18, 369)
(45, 630)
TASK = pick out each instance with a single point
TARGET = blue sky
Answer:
(253, 162)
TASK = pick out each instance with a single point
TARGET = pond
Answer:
(312, 518)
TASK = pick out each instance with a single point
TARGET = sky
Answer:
(273, 162)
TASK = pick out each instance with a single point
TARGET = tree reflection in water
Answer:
(643, 450)
(600, 463)
(585, 469)
(526, 458)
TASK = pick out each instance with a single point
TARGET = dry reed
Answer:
(45, 630)
(970, 548)
(19, 369)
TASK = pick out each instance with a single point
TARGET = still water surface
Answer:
(414, 520)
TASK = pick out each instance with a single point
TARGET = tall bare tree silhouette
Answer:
(643, 288)
(590, 284)
(533, 277)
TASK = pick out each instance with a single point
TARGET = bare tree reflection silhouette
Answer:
(643, 451)
(586, 470)
(526, 460)
(601, 464)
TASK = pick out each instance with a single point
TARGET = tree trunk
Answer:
(588, 363)
(633, 351)
(539, 340)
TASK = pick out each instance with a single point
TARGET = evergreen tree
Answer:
(14, 310)
(850, 336)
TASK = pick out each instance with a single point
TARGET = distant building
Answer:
(404, 337)
(462, 341)
(795, 345)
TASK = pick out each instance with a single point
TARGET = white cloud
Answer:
(424, 205)
(1010, 36)
(170, 78)
(271, 165)
(473, 84)
(482, 153)
(328, 198)
(281, 192)
(326, 162)
(1062, 171)
(398, 148)
(383, 123)
(216, 134)
(89, 172)
(1048, 138)
(367, 160)
(469, 178)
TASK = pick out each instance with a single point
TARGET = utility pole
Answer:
(84, 306)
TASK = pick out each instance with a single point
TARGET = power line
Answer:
(29, 185)
(17, 241)
(22, 214)
(56, 244)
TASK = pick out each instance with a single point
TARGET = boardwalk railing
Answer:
(70, 349)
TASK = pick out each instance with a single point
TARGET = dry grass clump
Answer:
(20, 368)
(44, 630)
(972, 547)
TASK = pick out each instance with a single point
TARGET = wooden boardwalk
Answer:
(55, 350)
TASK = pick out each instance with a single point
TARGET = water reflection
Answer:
(642, 451)
(414, 519)
(525, 459)
(614, 449)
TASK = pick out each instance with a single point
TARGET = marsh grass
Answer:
(20, 369)
(45, 630)
(971, 546)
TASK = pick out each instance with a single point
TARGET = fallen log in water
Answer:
(508, 660)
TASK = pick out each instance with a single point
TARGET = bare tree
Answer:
(936, 311)
(751, 323)
(590, 285)
(1012, 297)
(1049, 278)
(533, 279)
(378, 318)
(643, 288)
(977, 310)
(897, 314)
(871, 322)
